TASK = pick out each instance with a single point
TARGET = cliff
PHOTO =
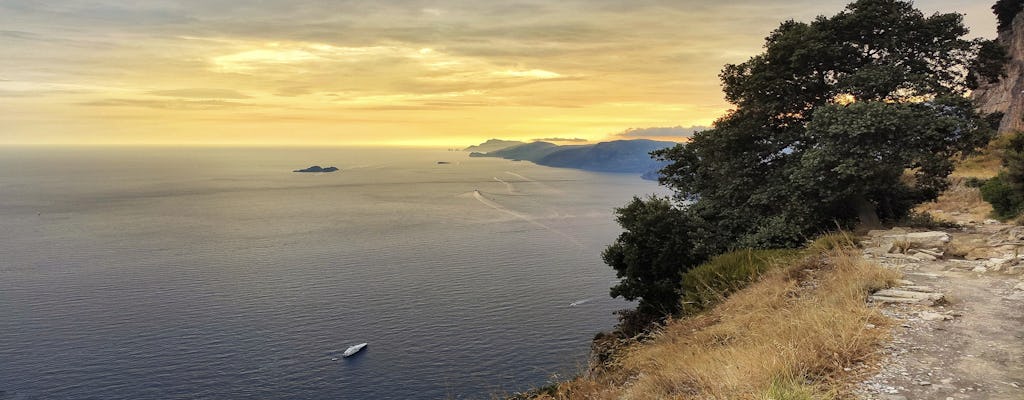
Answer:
(1007, 95)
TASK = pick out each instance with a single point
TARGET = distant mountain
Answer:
(493, 145)
(616, 156)
(526, 151)
(623, 156)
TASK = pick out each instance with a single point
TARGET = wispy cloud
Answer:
(201, 93)
(673, 131)
(392, 69)
(561, 140)
(176, 104)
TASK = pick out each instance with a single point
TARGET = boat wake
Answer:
(579, 302)
(508, 186)
(490, 203)
(525, 179)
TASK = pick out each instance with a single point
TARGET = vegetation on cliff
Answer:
(789, 335)
(848, 120)
(1006, 10)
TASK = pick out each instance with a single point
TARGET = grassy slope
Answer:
(787, 336)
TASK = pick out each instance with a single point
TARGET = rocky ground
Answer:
(960, 312)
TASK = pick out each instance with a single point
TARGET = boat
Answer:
(353, 350)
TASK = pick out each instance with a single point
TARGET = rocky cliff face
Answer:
(1007, 95)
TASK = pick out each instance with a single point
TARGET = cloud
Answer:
(201, 93)
(564, 140)
(175, 104)
(673, 131)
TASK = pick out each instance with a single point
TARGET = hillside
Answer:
(619, 156)
(492, 145)
(527, 151)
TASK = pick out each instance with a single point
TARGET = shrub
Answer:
(974, 182)
(925, 220)
(1005, 200)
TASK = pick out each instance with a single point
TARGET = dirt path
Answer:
(970, 345)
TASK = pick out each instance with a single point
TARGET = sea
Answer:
(218, 273)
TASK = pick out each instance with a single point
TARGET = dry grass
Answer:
(959, 203)
(984, 165)
(788, 336)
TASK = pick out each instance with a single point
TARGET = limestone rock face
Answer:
(1007, 95)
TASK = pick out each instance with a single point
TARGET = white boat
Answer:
(353, 350)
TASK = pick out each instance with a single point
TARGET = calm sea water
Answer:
(149, 273)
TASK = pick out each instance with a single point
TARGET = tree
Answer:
(1006, 191)
(660, 242)
(1005, 11)
(829, 121)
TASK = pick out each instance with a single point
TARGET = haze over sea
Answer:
(181, 273)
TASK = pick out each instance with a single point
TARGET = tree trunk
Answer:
(866, 213)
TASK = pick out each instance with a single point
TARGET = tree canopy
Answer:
(847, 119)
(1005, 11)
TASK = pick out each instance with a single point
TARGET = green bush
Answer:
(709, 283)
(973, 182)
(1005, 200)
(925, 220)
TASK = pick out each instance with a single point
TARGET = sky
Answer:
(444, 73)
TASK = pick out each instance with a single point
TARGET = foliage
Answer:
(990, 64)
(924, 220)
(1006, 191)
(1005, 11)
(829, 120)
(710, 283)
(1006, 202)
(974, 182)
(660, 242)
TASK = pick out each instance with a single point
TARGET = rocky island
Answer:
(317, 168)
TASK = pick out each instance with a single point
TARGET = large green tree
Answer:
(847, 119)
(850, 118)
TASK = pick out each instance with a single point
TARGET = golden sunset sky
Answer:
(405, 72)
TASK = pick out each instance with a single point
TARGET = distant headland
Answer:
(620, 156)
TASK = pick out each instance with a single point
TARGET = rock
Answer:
(1020, 286)
(985, 252)
(981, 270)
(899, 256)
(933, 316)
(915, 288)
(901, 300)
(924, 383)
(886, 232)
(909, 294)
(915, 240)
(932, 252)
(1005, 95)
(317, 168)
(997, 264)
(990, 222)
(924, 256)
